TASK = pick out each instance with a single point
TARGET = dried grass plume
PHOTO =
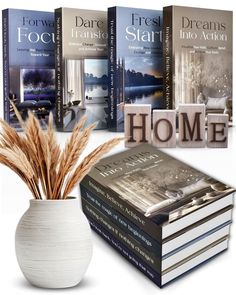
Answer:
(36, 157)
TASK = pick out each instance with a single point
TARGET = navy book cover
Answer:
(135, 61)
(28, 63)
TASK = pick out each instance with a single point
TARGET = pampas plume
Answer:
(36, 157)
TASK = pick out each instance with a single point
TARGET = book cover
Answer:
(81, 67)
(28, 63)
(198, 58)
(135, 61)
(156, 191)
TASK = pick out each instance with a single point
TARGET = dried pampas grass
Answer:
(36, 157)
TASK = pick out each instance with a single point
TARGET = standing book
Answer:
(28, 63)
(135, 61)
(198, 58)
(81, 67)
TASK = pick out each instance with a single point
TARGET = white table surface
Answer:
(109, 273)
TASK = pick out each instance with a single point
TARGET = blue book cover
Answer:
(135, 61)
(28, 63)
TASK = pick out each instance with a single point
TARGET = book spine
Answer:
(114, 200)
(59, 69)
(5, 55)
(168, 57)
(123, 223)
(148, 257)
(125, 252)
(112, 98)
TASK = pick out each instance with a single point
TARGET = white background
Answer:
(109, 273)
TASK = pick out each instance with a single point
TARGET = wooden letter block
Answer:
(137, 124)
(217, 131)
(164, 128)
(192, 125)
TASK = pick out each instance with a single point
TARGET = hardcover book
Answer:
(197, 50)
(160, 194)
(167, 246)
(28, 63)
(181, 268)
(159, 263)
(81, 67)
(135, 61)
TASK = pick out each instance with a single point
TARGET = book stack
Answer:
(162, 215)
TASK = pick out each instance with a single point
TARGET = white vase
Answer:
(53, 243)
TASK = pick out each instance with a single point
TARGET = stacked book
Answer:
(162, 215)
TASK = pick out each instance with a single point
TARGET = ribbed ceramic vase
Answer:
(53, 243)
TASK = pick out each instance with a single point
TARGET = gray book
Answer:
(198, 57)
(81, 67)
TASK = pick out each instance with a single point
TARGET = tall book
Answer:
(198, 58)
(81, 67)
(135, 61)
(28, 63)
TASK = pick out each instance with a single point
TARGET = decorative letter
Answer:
(217, 131)
(137, 124)
(164, 128)
(192, 125)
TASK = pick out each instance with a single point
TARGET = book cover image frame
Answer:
(40, 82)
(86, 89)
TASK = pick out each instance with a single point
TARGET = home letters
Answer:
(191, 123)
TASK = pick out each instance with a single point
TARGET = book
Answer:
(124, 223)
(28, 63)
(171, 274)
(158, 263)
(168, 246)
(160, 194)
(81, 67)
(135, 61)
(198, 57)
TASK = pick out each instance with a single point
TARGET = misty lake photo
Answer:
(95, 91)
(143, 81)
(145, 95)
(96, 80)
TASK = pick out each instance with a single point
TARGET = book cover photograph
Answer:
(28, 64)
(154, 183)
(82, 69)
(135, 61)
(198, 58)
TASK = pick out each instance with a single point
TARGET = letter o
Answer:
(155, 128)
